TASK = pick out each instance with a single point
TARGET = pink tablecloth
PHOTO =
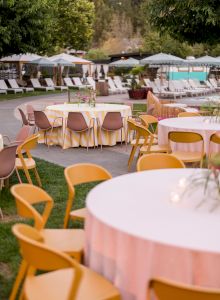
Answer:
(134, 232)
(203, 125)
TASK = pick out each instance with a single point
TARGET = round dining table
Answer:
(66, 138)
(205, 126)
(144, 225)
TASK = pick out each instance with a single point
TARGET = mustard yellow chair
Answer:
(65, 279)
(145, 141)
(70, 241)
(168, 290)
(150, 122)
(78, 174)
(215, 138)
(188, 114)
(187, 138)
(158, 161)
(28, 163)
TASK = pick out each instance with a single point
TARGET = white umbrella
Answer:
(43, 62)
(125, 63)
(20, 57)
(162, 59)
(63, 62)
(70, 58)
(205, 61)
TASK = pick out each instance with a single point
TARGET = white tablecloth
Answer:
(135, 232)
(202, 125)
(73, 139)
(1, 142)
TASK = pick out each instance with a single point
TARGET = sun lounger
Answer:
(118, 85)
(50, 83)
(4, 87)
(14, 85)
(91, 82)
(112, 88)
(37, 86)
(214, 83)
(79, 83)
(68, 82)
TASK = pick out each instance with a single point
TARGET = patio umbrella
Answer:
(43, 61)
(163, 59)
(207, 61)
(71, 58)
(125, 63)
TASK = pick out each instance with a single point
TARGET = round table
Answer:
(134, 231)
(203, 125)
(73, 139)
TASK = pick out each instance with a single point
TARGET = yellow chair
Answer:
(168, 290)
(28, 163)
(188, 114)
(70, 241)
(158, 161)
(150, 122)
(65, 279)
(215, 138)
(145, 141)
(78, 174)
(187, 138)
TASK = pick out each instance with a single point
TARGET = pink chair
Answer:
(22, 135)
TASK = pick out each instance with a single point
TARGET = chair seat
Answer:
(155, 148)
(141, 141)
(188, 156)
(70, 241)
(52, 286)
(55, 286)
(79, 214)
(29, 162)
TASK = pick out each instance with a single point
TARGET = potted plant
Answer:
(136, 91)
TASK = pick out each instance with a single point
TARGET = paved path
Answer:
(113, 159)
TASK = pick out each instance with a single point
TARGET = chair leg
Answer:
(87, 139)
(18, 280)
(37, 177)
(131, 157)
(27, 174)
(17, 173)
(121, 136)
(93, 129)
(100, 133)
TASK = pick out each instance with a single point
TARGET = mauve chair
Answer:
(77, 123)
(113, 121)
(22, 135)
(24, 119)
(7, 164)
(43, 124)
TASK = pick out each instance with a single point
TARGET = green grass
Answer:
(53, 181)
(29, 94)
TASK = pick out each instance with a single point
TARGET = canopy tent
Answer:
(125, 63)
(205, 61)
(42, 61)
(61, 63)
(19, 60)
(71, 59)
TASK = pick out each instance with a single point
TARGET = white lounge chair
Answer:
(14, 85)
(4, 87)
(50, 83)
(79, 83)
(118, 85)
(120, 82)
(68, 82)
(37, 86)
(91, 82)
(112, 88)
(196, 85)
(214, 83)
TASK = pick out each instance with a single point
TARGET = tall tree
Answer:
(75, 23)
(189, 20)
(25, 25)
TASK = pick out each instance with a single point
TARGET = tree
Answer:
(96, 54)
(26, 25)
(189, 20)
(75, 23)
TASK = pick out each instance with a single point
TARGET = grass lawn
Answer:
(29, 94)
(53, 181)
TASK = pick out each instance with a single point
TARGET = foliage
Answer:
(137, 70)
(75, 23)
(189, 20)
(25, 25)
(94, 54)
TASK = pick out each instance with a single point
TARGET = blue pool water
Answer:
(188, 75)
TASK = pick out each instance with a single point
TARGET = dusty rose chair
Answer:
(24, 118)
(43, 124)
(113, 121)
(22, 135)
(77, 123)
(7, 166)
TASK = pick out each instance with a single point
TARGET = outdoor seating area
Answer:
(109, 150)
